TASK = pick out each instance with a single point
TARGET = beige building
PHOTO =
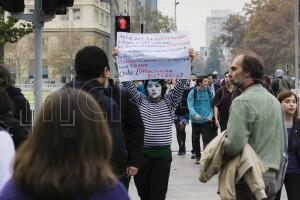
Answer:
(86, 23)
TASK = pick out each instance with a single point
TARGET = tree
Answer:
(198, 64)
(60, 58)
(20, 58)
(233, 33)
(12, 31)
(266, 29)
(214, 56)
(270, 33)
(154, 22)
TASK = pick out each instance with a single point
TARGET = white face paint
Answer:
(154, 89)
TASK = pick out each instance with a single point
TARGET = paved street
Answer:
(184, 184)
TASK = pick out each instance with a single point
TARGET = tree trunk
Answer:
(1, 54)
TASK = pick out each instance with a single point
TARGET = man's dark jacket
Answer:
(132, 124)
(111, 110)
(22, 110)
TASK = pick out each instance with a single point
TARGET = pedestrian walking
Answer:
(289, 102)
(22, 111)
(255, 118)
(181, 120)
(9, 123)
(222, 102)
(201, 114)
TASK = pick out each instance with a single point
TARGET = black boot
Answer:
(183, 149)
(180, 153)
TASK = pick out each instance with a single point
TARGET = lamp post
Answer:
(176, 3)
(297, 44)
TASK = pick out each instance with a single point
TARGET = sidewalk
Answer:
(184, 183)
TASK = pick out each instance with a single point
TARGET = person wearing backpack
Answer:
(279, 84)
(289, 103)
(201, 114)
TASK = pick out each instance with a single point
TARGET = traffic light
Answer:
(58, 7)
(12, 5)
(122, 23)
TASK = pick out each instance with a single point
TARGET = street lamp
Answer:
(176, 3)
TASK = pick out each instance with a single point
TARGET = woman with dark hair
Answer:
(8, 122)
(68, 154)
(21, 110)
(289, 102)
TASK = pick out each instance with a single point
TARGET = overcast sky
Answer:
(191, 15)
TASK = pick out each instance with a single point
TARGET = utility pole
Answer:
(297, 44)
(38, 81)
(175, 13)
(38, 20)
(112, 38)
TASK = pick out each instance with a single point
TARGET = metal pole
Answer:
(38, 84)
(175, 14)
(112, 38)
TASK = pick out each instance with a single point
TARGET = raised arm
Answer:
(136, 95)
(175, 94)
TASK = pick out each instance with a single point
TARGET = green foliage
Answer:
(10, 31)
(214, 56)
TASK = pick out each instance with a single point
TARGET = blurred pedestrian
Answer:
(22, 110)
(289, 103)
(13, 126)
(279, 83)
(87, 68)
(200, 105)
(181, 120)
(222, 102)
(7, 152)
(68, 154)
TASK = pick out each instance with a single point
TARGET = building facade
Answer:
(214, 24)
(86, 23)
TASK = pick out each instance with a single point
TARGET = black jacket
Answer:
(22, 110)
(182, 108)
(119, 154)
(132, 124)
(18, 132)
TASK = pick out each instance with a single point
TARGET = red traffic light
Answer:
(122, 23)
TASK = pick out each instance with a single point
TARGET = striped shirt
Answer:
(157, 116)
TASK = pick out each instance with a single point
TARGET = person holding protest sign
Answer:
(157, 111)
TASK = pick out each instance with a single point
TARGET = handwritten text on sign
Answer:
(153, 56)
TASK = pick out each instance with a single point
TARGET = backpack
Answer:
(282, 85)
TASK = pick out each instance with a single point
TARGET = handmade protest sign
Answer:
(153, 56)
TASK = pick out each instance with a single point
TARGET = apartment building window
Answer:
(102, 18)
(76, 14)
(96, 15)
(107, 20)
(66, 16)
